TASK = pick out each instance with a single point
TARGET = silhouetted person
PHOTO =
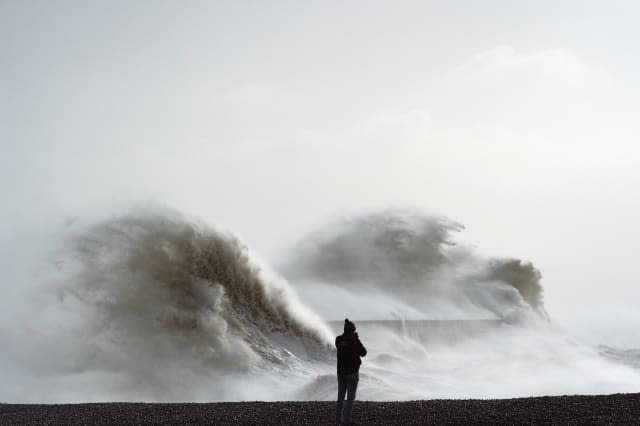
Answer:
(350, 350)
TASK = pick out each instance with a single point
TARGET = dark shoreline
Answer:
(548, 410)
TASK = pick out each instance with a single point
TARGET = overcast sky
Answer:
(517, 119)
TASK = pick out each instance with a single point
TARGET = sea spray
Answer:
(411, 257)
(150, 306)
(161, 308)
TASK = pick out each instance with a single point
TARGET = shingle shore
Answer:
(560, 410)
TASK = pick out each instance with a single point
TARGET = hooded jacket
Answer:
(350, 349)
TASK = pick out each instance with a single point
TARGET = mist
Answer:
(150, 305)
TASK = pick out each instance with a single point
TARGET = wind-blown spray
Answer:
(150, 306)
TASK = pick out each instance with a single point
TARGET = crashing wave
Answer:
(159, 293)
(412, 256)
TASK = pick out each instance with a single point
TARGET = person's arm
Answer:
(361, 350)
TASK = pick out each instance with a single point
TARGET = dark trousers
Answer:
(347, 383)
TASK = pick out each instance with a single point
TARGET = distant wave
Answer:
(629, 357)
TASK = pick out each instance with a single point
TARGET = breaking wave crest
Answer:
(161, 296)
(412, 256)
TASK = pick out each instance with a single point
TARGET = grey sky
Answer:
(518, 119)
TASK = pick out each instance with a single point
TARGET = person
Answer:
(350, 349)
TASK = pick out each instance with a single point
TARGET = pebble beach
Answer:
(619, 409)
